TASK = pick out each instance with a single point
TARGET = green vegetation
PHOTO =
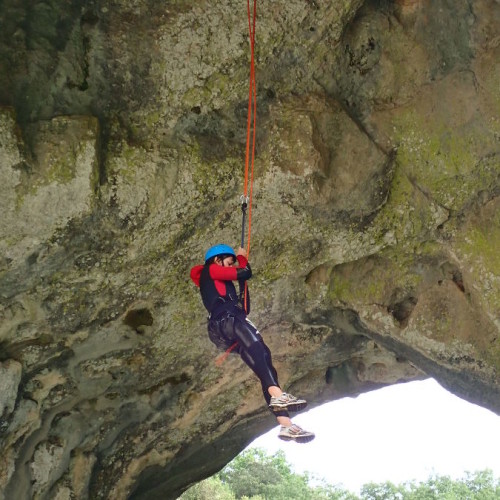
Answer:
(254, 475)
(445, 164)
(475, 486)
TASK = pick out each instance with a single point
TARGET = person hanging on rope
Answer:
(230, 329)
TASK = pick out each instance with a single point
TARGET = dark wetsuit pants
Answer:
(234, 326)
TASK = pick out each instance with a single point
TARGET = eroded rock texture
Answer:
(375, 224)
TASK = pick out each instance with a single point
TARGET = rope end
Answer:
(220, 359)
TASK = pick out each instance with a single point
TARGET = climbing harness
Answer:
(246, 198)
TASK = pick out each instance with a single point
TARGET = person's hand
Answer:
(242, 251)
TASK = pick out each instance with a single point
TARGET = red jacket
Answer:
(216, 282)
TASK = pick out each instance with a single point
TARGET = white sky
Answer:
(399, 433)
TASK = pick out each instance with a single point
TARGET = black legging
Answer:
(252, 349)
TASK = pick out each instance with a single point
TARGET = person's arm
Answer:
(223, 273)
(244, 273)
(231, 273)
(195, 274)
(244, 270)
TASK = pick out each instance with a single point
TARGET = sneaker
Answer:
(287, 402)
(296, 433)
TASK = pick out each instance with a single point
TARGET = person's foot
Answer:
(295, 433)
(287, 402)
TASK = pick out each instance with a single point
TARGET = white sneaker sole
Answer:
(288, 406)
(298, 439)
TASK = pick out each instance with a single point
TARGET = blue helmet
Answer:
(217, 250)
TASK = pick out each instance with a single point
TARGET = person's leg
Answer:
(284, 421)
(274, 391)
(255, 353)
(257, 356)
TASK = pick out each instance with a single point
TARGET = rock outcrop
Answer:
(375, 226)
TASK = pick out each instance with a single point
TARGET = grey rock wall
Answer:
(375, 223)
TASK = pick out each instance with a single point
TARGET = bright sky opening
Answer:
(399, 433)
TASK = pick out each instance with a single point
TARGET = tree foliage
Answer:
(209, 489)
(475, 486)
(255, 475)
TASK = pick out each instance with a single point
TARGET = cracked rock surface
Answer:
(375, 223)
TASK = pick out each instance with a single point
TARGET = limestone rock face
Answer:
(57, 184)
(375, 223)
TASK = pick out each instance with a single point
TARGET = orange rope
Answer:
(249, 159)
(220, 359)
(252, 110)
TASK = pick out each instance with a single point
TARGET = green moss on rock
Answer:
(386, 278)
(443, 162)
